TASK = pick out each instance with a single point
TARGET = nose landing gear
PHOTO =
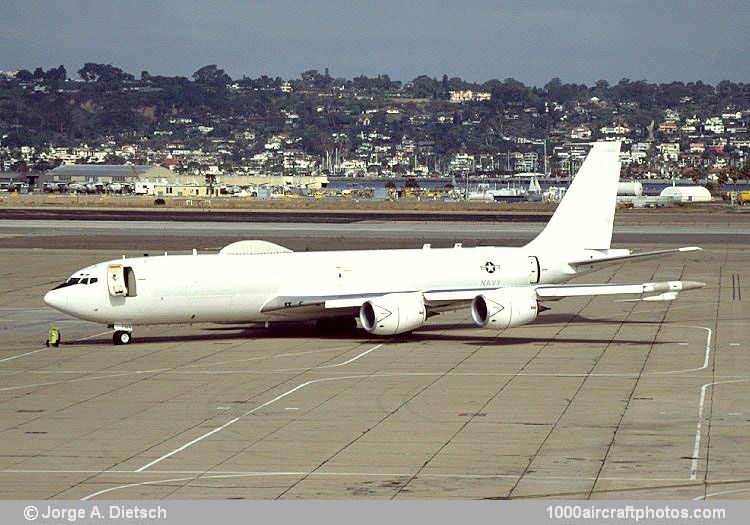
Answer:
(123, 334)
(121, 337)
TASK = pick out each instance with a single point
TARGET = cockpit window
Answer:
(77, 280)
(69, 282)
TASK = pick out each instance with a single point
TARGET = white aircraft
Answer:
(390, 291)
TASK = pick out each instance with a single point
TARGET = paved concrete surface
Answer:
(598, 399)
(317, 231)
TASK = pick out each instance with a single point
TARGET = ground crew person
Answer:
(53, 339)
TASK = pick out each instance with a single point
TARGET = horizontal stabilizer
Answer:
(606, 260)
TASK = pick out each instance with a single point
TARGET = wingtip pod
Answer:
(692, 285)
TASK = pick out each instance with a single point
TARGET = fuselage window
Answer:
(93, 280)
(84, 281)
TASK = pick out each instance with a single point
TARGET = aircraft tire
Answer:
(122, 337)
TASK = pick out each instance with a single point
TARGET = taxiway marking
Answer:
(233, 421)
(699, 426)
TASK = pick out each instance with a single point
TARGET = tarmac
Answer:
(597, 399)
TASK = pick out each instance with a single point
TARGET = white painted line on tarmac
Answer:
(261, 358)
(356, 357)
(22, 355)
(267, 403)
(49, 348)
(706, 356)
(187, 475)
(699, 426)
(130, 485)
(79, 379)
(229, 475)
(335, 473)
(188, 444)
(699, 498)
(92, 336)
(233, 421)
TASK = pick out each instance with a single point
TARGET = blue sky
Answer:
(532, 41)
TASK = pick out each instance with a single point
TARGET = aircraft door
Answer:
(533, 270)
(116, 280)
(121, 281)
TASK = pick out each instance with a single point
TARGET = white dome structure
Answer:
(687, 193)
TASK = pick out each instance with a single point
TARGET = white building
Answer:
(670, 151)
(468, 95)
(580, 133)
(687, 193)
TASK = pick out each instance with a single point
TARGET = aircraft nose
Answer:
(56, 299)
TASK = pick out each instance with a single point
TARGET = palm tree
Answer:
(210, 181)
(696, 174)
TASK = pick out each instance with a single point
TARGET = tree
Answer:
(722, 178)
(210, 182)
(211, 75)
(61, 73)
(92, 72)
(312, 78)
(24, 75)
(696, 174)
(425, 87)
(445, 87)
(411, 183)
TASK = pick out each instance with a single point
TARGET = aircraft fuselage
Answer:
(235, 288)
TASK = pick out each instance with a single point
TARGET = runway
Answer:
(316, 231)
(598, 399)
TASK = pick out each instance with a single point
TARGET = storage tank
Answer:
(631, 189)
(687, 193)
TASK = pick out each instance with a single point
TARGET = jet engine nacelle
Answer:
(505, 308)
(393, 313)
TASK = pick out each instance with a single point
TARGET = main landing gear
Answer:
(123, 334)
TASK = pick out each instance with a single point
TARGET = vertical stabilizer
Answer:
(584, 218)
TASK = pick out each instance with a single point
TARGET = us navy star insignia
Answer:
(489, 267)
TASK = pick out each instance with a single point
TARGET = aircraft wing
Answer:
(667, 289)
(283, 302)
(601, 262)
(446, 300)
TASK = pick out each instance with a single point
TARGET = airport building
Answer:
(106, 173)
(135, 173)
